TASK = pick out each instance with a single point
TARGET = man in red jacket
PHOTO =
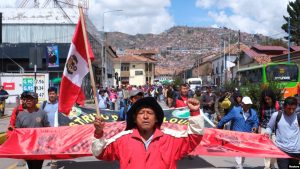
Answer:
(143, 144)
(181, 100)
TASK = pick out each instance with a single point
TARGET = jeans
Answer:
(239, 161)
(211, 117)
(285, 163)
(35, 164)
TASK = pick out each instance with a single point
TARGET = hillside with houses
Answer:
(198, 52)
(180, 46)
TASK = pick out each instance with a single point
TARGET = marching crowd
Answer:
(232, 111)
(139, 107)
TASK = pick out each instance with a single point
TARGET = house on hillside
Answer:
(134, 70)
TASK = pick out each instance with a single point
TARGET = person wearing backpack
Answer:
(51, 106)
(286, 125)
(268, 106)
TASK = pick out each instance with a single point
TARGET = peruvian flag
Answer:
(75, 69)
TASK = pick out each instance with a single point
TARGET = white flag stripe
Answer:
(82, 67)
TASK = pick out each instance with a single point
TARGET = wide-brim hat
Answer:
(148, 102)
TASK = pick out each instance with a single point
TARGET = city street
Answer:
(205, 162)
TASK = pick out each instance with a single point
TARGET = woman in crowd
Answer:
(268, 105)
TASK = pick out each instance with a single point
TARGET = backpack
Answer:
(278, 117)
(44, 104)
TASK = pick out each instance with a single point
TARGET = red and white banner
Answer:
(75, 69)
(75, 141)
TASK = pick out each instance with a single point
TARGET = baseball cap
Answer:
(135, 92)
(24, 94)
(32, 94)
(247, 100)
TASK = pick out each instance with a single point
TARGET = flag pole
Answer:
(89, 60)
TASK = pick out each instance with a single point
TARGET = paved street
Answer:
(204, 162)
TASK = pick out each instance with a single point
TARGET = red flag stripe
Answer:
(78, 41)
(67, 99)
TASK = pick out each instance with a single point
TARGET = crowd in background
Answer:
(226, 109)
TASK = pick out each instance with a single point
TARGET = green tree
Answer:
(293, 9)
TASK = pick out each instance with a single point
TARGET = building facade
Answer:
(134, 70)
(32, 35)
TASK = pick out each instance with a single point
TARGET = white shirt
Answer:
(246, 114)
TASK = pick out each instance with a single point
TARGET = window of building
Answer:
(148, 66)
(148, 79)
(138, 72)
(125, 80)
(125, 67)
(133, 66)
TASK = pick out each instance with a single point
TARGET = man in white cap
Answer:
(243, 119)
(134, 95)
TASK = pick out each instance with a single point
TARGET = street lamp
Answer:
(104, 58)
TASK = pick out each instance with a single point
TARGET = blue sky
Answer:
(260, 17)
(185, 13)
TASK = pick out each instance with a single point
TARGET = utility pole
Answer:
(103, 53)
(198, 64)
(225, 77)
(239, 50)
(35, 66)
(289, 43)
(120, 80)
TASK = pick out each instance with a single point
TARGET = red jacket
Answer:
(13, 118)
(14, 115)
(165, 149)
(182, 102)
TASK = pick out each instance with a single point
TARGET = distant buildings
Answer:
(134, 70)
(212, 69)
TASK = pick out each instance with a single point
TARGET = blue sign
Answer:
(28, 84)
(52, 56)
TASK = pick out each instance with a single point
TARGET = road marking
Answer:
(13, 166)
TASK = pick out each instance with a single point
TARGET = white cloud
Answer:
(138, 16)
(6, 4)
(263, 16)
